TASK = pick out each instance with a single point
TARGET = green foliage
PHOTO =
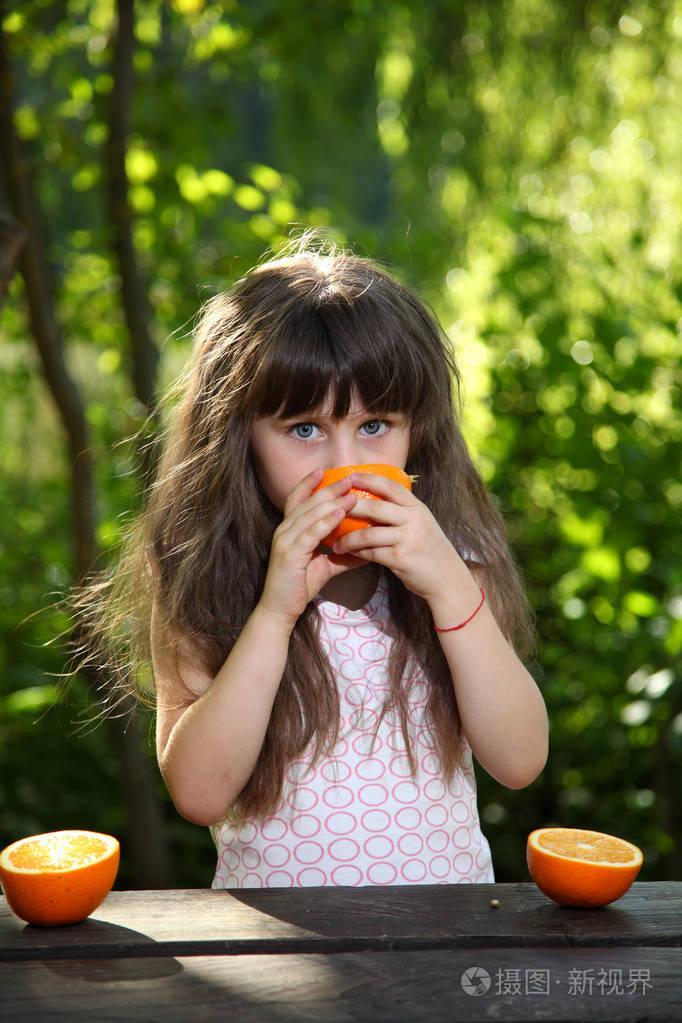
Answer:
(518, 162)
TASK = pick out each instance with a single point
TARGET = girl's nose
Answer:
(344, 451)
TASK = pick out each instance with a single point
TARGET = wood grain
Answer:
(376, 987)
(328, 920)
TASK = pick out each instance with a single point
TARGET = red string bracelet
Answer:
(454, 628)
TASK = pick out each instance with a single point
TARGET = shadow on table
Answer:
(399, 918)
(88, 956)
(82, 981)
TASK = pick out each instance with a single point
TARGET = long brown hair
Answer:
(311, 323)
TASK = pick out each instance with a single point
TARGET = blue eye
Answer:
(303, 431)
(374, 427)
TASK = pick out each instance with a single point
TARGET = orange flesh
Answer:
(59, 852)
(582, 845)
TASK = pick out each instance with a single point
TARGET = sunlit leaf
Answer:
(31, 700)
(586, 531)
(248, 197)
(141, 164)
(644, 605)
(266, 178)
(602, 562)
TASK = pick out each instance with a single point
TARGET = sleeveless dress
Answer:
(358, 817)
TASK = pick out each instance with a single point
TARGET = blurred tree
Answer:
(146, 838)
(144, 354)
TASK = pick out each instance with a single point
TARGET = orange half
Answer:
(351, 522)
(60, 877)
(581, 868)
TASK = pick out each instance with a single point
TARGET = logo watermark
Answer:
(476, 981)
(602, 983)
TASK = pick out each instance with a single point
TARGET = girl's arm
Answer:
(210, 730)
(502, 712)
(501, 709)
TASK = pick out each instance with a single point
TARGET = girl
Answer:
(318, 707)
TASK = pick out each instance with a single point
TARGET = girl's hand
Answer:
(297, 570)
(406, 539)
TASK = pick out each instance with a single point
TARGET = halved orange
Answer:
(351, 522)
(60, 877)
(581, 868)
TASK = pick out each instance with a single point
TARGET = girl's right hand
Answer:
(297, 570)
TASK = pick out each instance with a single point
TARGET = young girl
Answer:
(318, 707)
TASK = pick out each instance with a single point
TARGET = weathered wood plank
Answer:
(372, 987)
(327, 920)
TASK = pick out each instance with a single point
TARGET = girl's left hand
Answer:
(404, 537)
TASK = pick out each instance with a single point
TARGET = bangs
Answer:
(344, 351)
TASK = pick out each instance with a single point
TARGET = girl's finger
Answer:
(316, 521)
(382, 512)
(305, 490)
(362, 542)
(383, 487)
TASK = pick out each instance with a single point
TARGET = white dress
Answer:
(358, 817)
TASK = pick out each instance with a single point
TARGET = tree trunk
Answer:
(144, 354)
(12, 238)
(137, 780)
(44, 327)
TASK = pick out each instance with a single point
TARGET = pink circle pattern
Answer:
(358, 817)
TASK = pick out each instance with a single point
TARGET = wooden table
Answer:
(426, 953)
